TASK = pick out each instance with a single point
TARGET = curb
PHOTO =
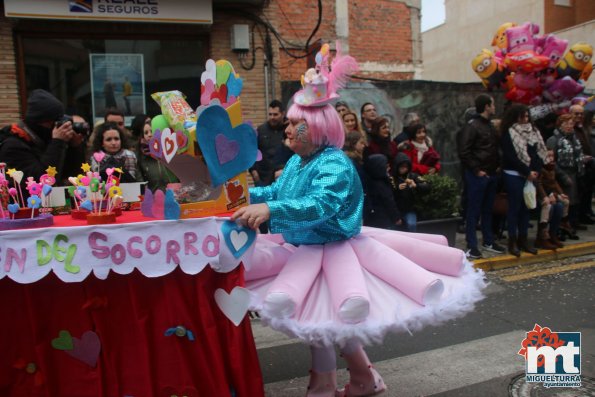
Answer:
(505, 261)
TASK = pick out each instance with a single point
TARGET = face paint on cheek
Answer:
(302, 133)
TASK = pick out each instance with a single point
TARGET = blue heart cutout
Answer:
(234, 86)
(214, 121)
(237, 238)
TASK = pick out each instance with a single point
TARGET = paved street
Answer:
(472, 356)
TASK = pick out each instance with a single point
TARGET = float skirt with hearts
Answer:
(377, 282)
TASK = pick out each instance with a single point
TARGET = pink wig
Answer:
(324, 124)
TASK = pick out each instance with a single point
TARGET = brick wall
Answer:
(9, 98)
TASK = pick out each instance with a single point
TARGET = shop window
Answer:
(89, 74)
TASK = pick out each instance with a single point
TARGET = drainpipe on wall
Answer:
(266, 85)
(342, 24)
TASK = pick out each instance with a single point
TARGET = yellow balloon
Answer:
(324, 49)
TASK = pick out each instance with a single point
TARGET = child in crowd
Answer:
(406, 185)
(383, 211)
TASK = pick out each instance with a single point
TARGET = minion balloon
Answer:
(491, 72)
(576, 60)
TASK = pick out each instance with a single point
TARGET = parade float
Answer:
(148, 303)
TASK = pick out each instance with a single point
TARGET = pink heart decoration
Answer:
(86, 349)
(169, 144)
(98, 156)
(159, 204)
(206, 91)
(227, 149)
(230, 101)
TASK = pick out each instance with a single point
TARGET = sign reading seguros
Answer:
(166, 11)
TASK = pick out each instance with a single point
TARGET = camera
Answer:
(79, 128)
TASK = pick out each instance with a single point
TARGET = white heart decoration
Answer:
(210, 73)
(73, 180)
(238, 239)
(234, 305)
(169, 144)
(17, 176)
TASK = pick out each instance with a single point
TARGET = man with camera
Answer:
(41, 140)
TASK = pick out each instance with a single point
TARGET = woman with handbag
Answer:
(523, 155)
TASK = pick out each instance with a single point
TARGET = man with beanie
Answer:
(37, 143)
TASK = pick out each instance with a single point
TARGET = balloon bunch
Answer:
(89, 192)
(533, 69)
(39, 192)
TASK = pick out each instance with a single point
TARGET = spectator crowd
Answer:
(502, 161)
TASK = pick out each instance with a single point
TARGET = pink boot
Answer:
(363, 379)
(322, 384)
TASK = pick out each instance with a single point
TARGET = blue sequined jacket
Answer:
(316, 200)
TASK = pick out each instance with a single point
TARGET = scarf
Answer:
(523, 135)
(421, 148)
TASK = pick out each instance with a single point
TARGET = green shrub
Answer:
(441, 201)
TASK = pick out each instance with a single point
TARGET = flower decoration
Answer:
(115, 191)
(51, 171)
(47, 179)
(81, 192)
(34, 201)
(180, 331)
(34, 188)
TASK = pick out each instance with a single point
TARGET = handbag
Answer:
(530, 195)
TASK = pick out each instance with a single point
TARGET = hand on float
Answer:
(253, 215)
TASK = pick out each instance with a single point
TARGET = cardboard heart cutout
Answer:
(234, 86)
(158, 204)
(169, 144)
(224, 69)
(206, 91)
(17, 176)
(210, 72)
(234, 192)
(146, 207)
(86, 349)
(98, 156)
(237, 238)
(214, 121)
(63, 341)
(234, 305)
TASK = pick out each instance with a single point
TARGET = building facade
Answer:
(87, 62)
(470, 25)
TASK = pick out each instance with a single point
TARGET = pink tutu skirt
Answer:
(377, 282)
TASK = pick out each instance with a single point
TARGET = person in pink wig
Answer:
(321, 276)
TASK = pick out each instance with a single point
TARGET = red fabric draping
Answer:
(130, 314)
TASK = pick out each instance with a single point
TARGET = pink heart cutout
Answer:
(98, 156)
(206, 91)
(86, 349)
